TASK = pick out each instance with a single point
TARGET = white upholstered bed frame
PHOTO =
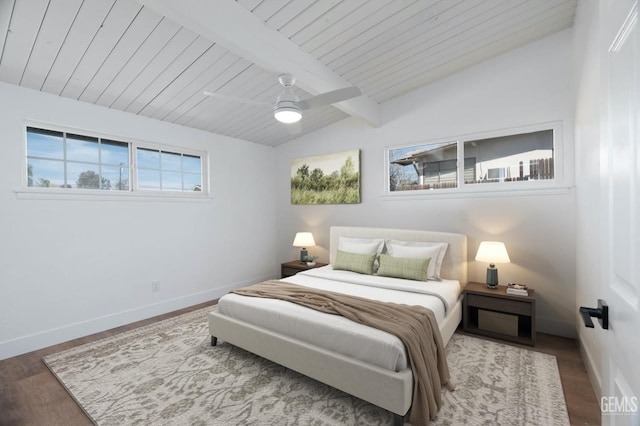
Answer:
(387, 389)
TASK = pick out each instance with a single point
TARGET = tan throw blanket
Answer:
(416, 326)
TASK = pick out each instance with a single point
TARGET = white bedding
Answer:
(337, 333)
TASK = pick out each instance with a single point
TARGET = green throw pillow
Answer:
(355, 262)
(402, 267)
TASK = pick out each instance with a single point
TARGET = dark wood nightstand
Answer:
(291, 268)
(494, 313)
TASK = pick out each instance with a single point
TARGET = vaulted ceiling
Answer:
(155, 58)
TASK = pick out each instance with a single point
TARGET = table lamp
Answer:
(492, 252)
(304, 240)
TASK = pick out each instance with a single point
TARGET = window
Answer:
(429, 166)
(527, 156)
(504, 160)
(59, 159)
(168, 171)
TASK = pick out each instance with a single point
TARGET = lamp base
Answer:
(303, 255)
(492, 277)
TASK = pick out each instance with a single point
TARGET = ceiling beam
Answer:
(235, 28)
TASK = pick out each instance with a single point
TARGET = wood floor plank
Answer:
(31, 395)
(44, 400)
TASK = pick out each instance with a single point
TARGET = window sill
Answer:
(462, 193)
(89, 195)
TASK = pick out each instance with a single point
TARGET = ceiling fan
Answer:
(288, 107)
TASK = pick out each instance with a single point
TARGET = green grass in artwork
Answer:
(333, 196)
(313, 186)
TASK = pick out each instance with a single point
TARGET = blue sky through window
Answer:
(56, 159)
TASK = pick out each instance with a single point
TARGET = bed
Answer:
(334, 350)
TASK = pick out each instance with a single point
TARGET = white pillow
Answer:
(361, 245)
(418, 250)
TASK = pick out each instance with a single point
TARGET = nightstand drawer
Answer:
(495, 313)
(503, 305)
(287, 272)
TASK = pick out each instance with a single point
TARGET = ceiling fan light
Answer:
(287, 114)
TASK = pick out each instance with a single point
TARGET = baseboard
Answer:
(54, 336)
(590, 365)
(555, 327)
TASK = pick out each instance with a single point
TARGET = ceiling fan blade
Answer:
(235, 99)
(329, 98)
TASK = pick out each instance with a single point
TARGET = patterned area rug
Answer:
(168, 374)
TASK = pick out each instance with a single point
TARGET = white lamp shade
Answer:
(492, 252)
(304, 239)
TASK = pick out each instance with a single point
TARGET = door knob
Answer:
(602, 313)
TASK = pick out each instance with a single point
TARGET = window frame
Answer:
(493, 188)
(134, 192)
(171, 150)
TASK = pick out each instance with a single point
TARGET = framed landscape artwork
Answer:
(326, 179)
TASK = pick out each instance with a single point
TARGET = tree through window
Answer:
(59, 159)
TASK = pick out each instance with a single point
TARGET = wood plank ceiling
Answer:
(148, 57)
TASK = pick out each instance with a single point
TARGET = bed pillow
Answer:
(361, 245)
(403, 267)
(355, 262)
(420, 250)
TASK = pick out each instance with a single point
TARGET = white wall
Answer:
(69, 268)
(528, 86)
(589, 198)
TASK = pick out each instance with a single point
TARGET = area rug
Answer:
(168, 373)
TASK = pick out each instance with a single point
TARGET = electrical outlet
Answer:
(155, 286)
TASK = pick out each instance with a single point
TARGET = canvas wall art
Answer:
(326, 179)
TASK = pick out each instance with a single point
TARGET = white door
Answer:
(621, 229)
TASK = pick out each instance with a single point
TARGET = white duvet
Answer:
(337, 333)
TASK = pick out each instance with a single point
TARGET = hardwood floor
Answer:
(31, 395)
